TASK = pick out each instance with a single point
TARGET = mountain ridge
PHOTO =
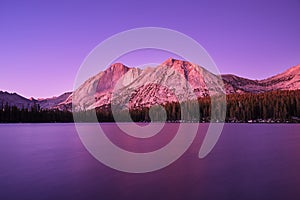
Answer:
(142, 86)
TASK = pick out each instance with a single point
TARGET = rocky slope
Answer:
(13, 99)
(288, 80)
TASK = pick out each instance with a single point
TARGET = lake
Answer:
(250, 161)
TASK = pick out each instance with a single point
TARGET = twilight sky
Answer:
(43, 44)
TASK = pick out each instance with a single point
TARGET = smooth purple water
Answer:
(250, 161)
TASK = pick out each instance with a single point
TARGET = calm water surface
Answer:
(250, 161)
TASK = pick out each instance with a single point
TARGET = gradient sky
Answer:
(43, 44)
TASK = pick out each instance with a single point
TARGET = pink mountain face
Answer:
(110, 77)
(288, 80)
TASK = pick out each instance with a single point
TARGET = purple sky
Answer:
(43, 44)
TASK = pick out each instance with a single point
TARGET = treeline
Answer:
(275, 106)
(12, 114)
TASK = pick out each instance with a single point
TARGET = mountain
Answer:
(13, 99)
(288, 80)
(53, 102)
(172, 81)
(97, 90)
